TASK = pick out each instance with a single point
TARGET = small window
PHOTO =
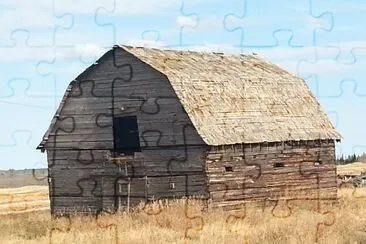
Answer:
(228, 169)
(279, 165)
(172, 185)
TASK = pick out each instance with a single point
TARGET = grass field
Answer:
(23, 199)
(179, 222)
(351, 169)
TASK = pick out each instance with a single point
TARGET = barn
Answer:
(142, 124)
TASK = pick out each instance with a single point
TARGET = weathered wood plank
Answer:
(287, 165)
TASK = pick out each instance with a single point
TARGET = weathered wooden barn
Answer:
(143, 124)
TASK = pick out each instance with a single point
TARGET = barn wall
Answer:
(172, 151)
(254, 175)
(85, 120)
(73, 182)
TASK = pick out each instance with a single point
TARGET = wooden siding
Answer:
(254, 175)
(82, 139)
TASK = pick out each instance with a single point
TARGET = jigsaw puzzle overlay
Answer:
(32, 94)
(101, 174)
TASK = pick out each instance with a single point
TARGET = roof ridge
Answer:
(216, 53)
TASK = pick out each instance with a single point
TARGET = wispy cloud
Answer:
(82, 51)
(86, 51)
(185, 21)
(144, 43)
(15, 14)
(330, 51)
(332, 67)
(348, 7)
(215, 47)
(19, 14)
(124, 7)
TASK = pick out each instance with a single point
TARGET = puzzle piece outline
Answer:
(274, 33)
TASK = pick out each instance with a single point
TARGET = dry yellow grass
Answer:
(23, 199)
(351, 169)
(291, 222)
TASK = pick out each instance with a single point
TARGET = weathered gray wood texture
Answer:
(174, 160)
(306, 171)
(172, 151)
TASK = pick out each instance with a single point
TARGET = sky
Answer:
(45, 44)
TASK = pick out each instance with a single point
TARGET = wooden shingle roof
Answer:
(236, 98)
(240, 98)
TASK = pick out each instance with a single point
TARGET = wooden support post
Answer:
(128, 195)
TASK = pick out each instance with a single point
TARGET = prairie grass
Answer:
(356, 168)
(23, 199)
(184, 221)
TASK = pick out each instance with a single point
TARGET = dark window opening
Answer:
(229, 169)
(279, 165)
(126, 135)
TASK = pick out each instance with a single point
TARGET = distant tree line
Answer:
(351, 159)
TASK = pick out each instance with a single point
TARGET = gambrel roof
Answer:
(239, 98)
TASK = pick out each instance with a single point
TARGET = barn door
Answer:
(130, 192)
(123, 190)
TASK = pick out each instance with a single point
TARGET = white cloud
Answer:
(144, 43)
(215, 47)
(83, 52)
(331, 67)
(187, 21)
(319, 59)
(233, 22)
(20, 14)
(348, 7)
(286, 52)
(330, 51)
(90, 6)
(41, 17)
(18, 54)
(123, 7)
(316, 23)
(135, 7)
(16, 14)
(202, 23)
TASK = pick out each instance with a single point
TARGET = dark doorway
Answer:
(126, 135)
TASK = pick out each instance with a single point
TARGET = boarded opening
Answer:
(279, 165)
(126, 135)
(129, 192)
(123, 194)
(228, 169)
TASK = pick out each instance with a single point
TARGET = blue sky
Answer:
(44, 44)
